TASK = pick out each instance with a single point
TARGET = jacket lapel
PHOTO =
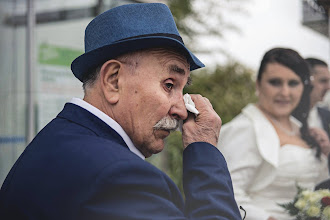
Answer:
(266, 136)
(325, 118)
(84, 118)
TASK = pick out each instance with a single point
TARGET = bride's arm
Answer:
(238, 145)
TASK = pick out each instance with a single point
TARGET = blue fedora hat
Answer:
(129, 28)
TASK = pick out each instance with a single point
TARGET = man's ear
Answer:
(109, 80)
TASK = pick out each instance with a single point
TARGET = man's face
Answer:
(148, 94)
(320, 82)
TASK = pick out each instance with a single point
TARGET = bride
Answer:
(268, 151)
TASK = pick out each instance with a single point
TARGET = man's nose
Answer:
(178, 109)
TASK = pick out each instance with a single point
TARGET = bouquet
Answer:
(309, 205)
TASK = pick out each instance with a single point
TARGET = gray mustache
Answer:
(167, 123)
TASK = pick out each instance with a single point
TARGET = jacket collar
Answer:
(268, 142)
(325, 118)
(109, 121)
(82, 117)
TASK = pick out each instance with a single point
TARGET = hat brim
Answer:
(87, 62)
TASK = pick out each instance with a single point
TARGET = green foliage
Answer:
(229, 88)
(174, 152)
(292, 210)
(170, 159)
(181, 9)
(196, 19)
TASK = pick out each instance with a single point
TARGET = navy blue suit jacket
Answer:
(325, 118)
(77, 167)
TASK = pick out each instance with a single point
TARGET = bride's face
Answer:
(279, 90)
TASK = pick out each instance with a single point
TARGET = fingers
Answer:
(322, 139)
(205, 127)
(201, 102)
(319, 134)
(208, 102)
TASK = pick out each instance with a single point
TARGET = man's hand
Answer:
(322, 139)
(202, 128)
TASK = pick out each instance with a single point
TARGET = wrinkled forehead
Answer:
(175, 62)
(167, 54)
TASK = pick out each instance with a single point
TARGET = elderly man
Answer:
(88, 163)
(319, 117)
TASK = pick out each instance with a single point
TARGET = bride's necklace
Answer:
(293, 131)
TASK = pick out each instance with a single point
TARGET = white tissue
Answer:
(190, 105)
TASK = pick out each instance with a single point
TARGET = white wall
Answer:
(268, 24)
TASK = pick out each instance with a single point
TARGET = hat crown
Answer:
(129, 28)
(129, 21)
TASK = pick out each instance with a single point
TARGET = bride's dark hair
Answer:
(292, 60)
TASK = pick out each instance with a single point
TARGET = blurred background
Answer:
(40, 38)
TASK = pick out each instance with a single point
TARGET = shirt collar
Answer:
(109, 121)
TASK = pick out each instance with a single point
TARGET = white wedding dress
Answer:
(265, 174)
(297, 165)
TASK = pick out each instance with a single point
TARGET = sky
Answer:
(268, 24)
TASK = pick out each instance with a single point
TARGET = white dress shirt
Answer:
(109, 121)
(314, 119)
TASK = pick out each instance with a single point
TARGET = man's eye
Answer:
(324, 81)
(169, 86)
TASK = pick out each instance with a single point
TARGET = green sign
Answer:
(55, 55)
